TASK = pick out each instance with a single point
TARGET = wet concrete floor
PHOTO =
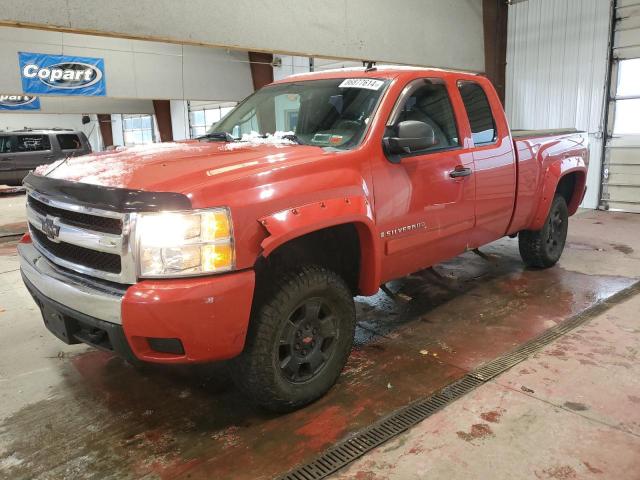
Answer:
(73, 412)
(570, 411)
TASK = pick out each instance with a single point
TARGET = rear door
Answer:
(7, 164)
(494, 163)
(32, 150)
(424, 209)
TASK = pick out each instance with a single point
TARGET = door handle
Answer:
(460, 171)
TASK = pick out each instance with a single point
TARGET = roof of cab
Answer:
(41, 130)
(378, 71)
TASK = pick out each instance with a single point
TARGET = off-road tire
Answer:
(258, 371)
(543, 248)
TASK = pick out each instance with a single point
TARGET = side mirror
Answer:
(410, 136)
(86, 119)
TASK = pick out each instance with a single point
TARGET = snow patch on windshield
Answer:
(105, 168)
(254, 139)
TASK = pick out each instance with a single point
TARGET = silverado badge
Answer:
(406, 228)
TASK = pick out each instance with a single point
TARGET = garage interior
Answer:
(478, 367)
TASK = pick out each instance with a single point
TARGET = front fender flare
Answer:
(286, 225)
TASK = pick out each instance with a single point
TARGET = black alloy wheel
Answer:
(299, 338)
(307, 340)
(543, 248)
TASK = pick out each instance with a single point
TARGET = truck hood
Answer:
(180, 166)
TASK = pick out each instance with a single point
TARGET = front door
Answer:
(425, 203)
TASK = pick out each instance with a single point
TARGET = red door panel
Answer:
(424, 214)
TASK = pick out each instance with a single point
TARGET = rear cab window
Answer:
(32, 143)
(481, 121)
(69, 141)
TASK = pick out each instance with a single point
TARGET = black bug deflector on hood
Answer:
(107, 198)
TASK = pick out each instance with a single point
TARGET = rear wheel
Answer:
(543, 248)
(299, 340)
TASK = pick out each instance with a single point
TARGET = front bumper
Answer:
(206, 317)
(72, 326)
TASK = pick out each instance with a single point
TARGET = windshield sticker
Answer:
(367, 83)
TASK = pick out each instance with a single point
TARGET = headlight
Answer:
(173, 244)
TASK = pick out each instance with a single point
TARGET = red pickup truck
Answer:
(250, 242)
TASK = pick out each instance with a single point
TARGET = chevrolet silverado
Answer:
(249, 244)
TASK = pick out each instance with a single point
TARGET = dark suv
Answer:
(23, 150)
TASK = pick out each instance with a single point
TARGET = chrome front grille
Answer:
(78, 219)
(86, 240)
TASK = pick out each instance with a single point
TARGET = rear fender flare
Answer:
(289, 224)
(552, 177)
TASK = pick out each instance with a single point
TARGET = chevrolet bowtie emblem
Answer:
(50, 227)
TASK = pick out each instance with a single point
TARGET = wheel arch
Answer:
(327, 228)
(566, 177)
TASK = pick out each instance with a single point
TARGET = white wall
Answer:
(82, 105)
(17, 121)
(116, 129)
(290, 65)
(423, 32)
(557, 54)
(136, 69)
(329, 63)
(179, 119)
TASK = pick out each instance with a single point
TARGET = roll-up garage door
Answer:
(621, 169)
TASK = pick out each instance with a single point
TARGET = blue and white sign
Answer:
(62, 74)
(19, 102)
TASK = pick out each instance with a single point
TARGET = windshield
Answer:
(326, 113)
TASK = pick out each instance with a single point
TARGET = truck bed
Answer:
(543, 133)
(535, 151)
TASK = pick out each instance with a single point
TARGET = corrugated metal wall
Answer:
(557, 53)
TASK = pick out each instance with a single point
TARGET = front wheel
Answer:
(299, 340)
(542, 248)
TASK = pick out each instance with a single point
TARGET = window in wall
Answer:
(201, 120)
(627, 105)
(32, 143)
(483, 125)
(628, 78)
(69, 141)
(430, 104)
(291, 120)
(137, 129)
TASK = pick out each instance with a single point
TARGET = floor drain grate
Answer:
(353, 447)
(524, 351)
(388, 427)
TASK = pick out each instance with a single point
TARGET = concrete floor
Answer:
(571, 411)
(11, 208)
(72, 412)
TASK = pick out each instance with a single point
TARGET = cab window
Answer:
(5, 144)
(69, 141)
(32, 143)
(429, 103)
(483, 125)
